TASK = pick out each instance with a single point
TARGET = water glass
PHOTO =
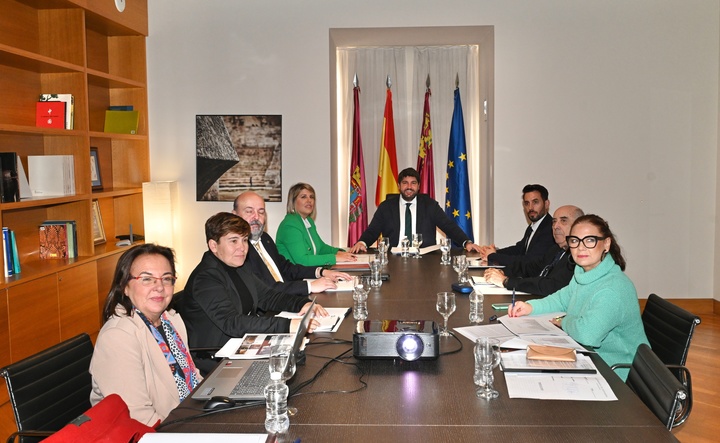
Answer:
(460, 265)
(416, 242)
(282, 360)
(405, 247)
(445, 306)
(445, 244)
(383, 247)
(375, 268)
(487, 357)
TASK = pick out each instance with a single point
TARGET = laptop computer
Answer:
(246, 379)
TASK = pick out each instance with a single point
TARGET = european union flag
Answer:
(457, 184)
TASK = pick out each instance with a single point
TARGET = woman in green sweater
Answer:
(297, 238)
(601, 305)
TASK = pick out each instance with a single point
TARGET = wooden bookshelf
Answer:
(90, 50)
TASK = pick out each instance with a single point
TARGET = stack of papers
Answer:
(517, 361)
(397, 250)
(254, 346)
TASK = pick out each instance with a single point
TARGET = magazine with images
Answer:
(253, 346)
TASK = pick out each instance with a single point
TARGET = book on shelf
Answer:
(15, 255)
(51, 175)
(50, 115)
(69, 103)
(9, 184)
(58, 239)
(121, 108)
(8, 269)
(122, 122)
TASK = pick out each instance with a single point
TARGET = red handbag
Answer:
(108, 421)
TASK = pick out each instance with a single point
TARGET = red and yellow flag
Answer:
(425, 153)
(358, 198)
(387, 166)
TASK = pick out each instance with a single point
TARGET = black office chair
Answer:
(669, 329)
(658, 388)
(50, 389)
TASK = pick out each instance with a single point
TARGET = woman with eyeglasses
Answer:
(601, 305)
(141, 351)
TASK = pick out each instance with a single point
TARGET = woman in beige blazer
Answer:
(140, 352)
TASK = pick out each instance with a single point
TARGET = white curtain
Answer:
(408, 68)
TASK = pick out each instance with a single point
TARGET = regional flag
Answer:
(387, 166)
(457, 185)
(358, 198)
(425, 153)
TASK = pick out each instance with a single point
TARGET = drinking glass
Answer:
(487, 357)
(460, 266)
(404, 245)
(361, 288)
(445, 244)
(445, 306)
(416, 242)
(383, 247)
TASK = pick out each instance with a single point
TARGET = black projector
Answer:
(406, 339)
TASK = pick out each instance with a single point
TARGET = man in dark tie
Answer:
(268, 264)
(538, 235)
(542, 275)
(402, 216)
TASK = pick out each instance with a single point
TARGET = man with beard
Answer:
(542, 275)
(409, 213)
(538, 235)
(267, 263)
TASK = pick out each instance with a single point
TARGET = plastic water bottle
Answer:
(276, 416)
(476, 307)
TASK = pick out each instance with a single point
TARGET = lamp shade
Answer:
(159, 206)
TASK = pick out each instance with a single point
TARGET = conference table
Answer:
(425, 400)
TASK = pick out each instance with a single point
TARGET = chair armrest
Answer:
(15, 435)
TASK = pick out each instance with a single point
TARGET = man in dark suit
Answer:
(420, 214)
(267, 263)
(542, 275)
(538, 236)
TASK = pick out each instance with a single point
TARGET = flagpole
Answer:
(357, 213)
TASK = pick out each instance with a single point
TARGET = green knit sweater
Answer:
(602, 312)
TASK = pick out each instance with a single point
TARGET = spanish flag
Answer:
(387, 166)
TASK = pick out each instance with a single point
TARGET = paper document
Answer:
(532, 325)
(361, 258)
(253, 346)
(587, 387)
(480, 280)
(477, 263)
(341, 285)
(398, 250)
(331, 323)
(563, 341)
(490, 289)
(159, 437)
(517, 361)
(497, 331)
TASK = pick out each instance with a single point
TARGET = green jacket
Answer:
(294, 243)
(602, 312)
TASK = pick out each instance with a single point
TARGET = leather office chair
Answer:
(669, 329)
(50, 389)
(657, 387)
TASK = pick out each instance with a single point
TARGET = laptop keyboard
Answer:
(253, 382)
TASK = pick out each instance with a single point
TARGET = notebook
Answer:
(246, 379)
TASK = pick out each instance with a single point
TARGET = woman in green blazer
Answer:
(297, 238)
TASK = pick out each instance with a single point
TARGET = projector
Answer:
(406, 339)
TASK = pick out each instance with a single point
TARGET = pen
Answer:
(513, 299)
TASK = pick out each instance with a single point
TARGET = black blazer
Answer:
(540, 243)
(213, 312)
(524, 274)
(292, 274)
(428, 217)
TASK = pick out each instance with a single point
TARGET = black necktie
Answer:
(408, 221)
(528, 233)
(546, 270)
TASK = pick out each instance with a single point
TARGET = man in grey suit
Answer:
(267, 263)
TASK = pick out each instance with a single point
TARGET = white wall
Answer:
(612, 105)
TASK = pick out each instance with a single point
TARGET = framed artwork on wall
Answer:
(237, 153)
(95, 170)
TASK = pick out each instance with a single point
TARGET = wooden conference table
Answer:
(429, 401)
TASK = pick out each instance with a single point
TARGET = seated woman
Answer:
(222, 298)
(600, 302)
(140, 352)
(297, 238)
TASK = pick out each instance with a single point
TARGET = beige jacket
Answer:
(128, 361)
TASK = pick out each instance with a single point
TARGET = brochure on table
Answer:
(331, 323)
(254, 346)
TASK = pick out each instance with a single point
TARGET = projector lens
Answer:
(409, 347)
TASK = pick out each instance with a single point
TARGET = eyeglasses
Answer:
(589, 241)
(149, 280)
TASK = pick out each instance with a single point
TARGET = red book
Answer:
(50, 115)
